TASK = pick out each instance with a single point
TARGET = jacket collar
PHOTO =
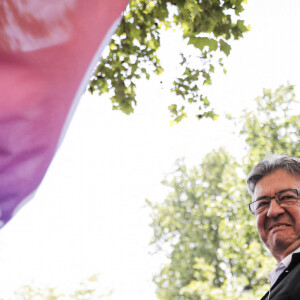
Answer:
(294, 262)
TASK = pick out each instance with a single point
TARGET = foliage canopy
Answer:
(90, 288)
(207, 25)
(213, 248)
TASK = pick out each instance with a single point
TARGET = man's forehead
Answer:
(276, 181)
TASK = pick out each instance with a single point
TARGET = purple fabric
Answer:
(46, 49)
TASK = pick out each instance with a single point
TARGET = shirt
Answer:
(282, 266)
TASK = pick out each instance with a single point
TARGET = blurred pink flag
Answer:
(47, 52)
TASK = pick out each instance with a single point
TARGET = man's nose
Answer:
(275, 209)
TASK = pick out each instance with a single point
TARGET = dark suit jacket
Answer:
(287, 286)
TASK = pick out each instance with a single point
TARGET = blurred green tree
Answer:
(273, 127)
(208, 26)
(89, 289)
(204, 224)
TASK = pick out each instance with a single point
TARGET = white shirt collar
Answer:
(281, 267)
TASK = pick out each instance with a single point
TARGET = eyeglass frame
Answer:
(275, 197)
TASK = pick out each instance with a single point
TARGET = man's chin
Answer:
(278, 242)
(279, 245)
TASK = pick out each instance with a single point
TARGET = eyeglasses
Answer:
(284, 198)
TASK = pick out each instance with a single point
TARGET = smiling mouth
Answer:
(279, 225)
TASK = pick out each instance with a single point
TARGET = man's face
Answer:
(279, 228)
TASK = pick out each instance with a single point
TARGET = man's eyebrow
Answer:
(262, 197)
(268, 197)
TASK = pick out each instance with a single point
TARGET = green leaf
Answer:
(226, 48)
(201, 42)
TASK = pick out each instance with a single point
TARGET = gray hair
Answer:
(267, 166)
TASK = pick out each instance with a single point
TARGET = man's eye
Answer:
(287, 197)
(262, 203)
